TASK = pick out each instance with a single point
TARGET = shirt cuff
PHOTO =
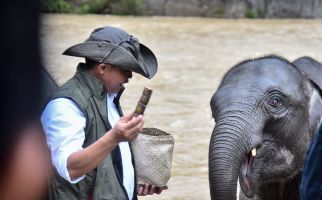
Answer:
(63, 171)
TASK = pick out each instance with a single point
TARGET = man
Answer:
(86, 133)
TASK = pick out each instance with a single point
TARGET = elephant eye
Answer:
(276, 102)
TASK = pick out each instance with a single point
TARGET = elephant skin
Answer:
(273, 106)
(48, 86)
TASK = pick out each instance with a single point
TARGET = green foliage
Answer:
(119, 7)
(216, 11)
(261, 13)
(92, 6)
(249, 13)
(129, 7)
(55, 6)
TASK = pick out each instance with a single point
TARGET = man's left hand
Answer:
(148, 189)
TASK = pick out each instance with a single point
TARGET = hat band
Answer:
(138, 56)
(128, 39)
(108, 53)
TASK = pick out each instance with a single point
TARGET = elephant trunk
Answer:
(229, 145)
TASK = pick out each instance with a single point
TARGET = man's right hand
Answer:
(85, 160)
(127, 128)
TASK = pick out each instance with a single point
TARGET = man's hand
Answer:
(127, 128)
(148, 189)
(85, 160)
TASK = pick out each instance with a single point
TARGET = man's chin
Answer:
(119, 88)
(116, 89)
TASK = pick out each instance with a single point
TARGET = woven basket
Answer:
(152, 151)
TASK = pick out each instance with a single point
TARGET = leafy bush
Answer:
(55, 6)
(119, 7)
(128, 7)
(92, 6)
(249, 13)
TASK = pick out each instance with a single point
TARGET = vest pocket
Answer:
(90, 180)
(86, 186)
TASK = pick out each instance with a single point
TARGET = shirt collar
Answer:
(96, 86)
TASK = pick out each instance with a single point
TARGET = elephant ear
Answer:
(312, 70)
(48, 86)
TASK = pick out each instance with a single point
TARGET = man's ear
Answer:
(102, 68)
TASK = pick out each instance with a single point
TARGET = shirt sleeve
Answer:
(63, 124)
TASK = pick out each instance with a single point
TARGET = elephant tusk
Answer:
(254, 152)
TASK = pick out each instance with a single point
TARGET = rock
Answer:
(317, 9)
(287, 8)
(220, 8)
(215, 8)
(155, 7)
(236, 9)
(184, 8)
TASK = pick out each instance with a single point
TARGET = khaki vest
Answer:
(104, 181)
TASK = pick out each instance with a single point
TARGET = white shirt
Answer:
(64, 124)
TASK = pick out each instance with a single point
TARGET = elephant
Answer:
(266, 111)
(48, 86)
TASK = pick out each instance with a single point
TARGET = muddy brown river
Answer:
(193, 55)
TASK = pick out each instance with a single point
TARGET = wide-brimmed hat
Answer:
(116, 47)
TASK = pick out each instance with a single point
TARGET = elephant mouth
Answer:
(245, 178)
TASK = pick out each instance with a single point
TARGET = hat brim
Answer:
(117, 56)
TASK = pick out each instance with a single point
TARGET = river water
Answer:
(193, 55)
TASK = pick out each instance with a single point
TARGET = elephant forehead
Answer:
(256, 77)
(265, 72)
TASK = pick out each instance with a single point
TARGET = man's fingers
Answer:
(152, 189)
(138, 127)
(134, 123)
(164, 187)
(140, 190)
(134, 132)
(146, 189)
(128, 117)
(158, 190)
(129, 130)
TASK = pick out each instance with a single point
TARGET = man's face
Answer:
(115, 78)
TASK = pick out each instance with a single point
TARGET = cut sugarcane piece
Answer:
(254, 152)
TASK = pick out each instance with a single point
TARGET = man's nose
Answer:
(129, 74)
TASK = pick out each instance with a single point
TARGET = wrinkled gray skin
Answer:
(48, 86)
(268, 104)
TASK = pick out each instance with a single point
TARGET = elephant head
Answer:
(266, 111)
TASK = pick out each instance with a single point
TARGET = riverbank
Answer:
(193, 55)
(198, 8)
